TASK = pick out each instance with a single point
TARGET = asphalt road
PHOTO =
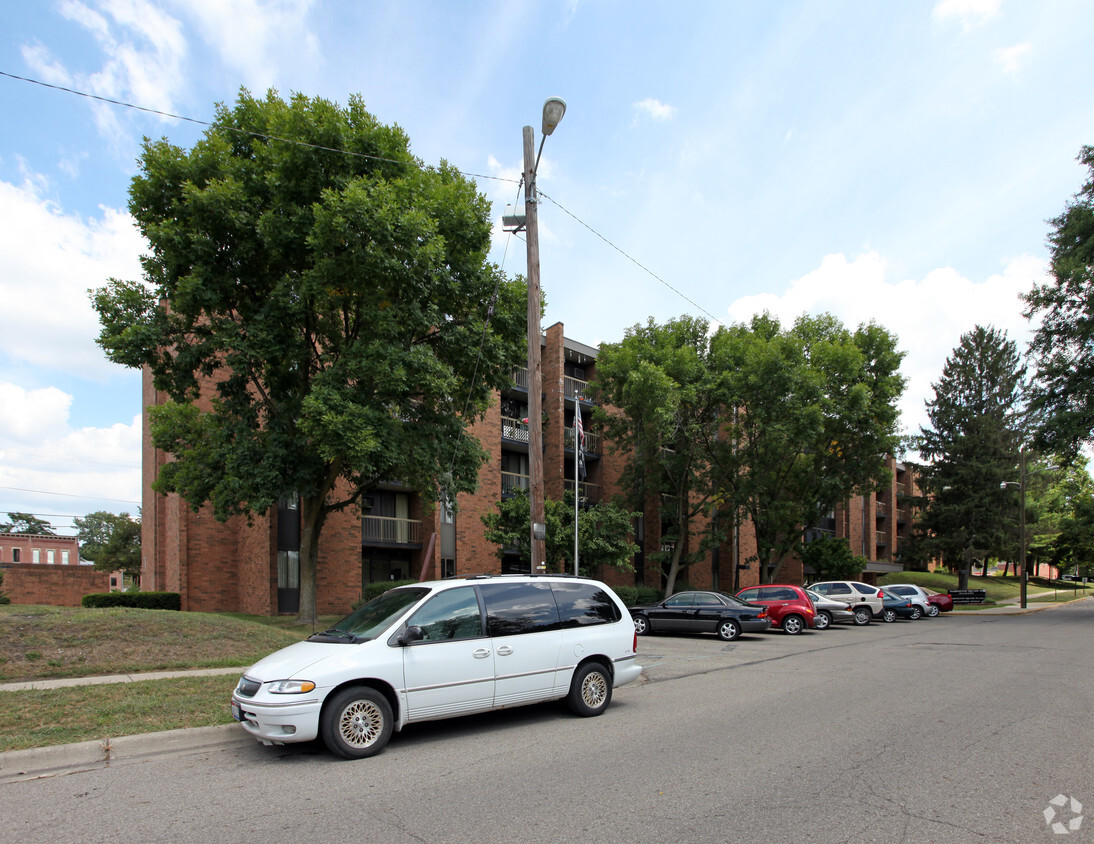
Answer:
(940, 730)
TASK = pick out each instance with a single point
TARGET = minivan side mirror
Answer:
(411, 634)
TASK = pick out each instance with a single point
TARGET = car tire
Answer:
(823, 620)
(933, 611)
(728, 630)
(590, 690)
(888, 615)
(356, 722)
(793, 625)
(917, 613)
(641, 625)
(863, 616)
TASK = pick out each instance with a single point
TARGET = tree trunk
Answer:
(311, 523)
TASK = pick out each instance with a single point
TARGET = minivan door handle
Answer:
(480, 653)
(505, 650)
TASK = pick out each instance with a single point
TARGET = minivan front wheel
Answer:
(356, 723)
(590, 690)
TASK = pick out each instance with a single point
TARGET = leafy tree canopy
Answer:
(603, 533)
(810, 415)
(660, 378)
(336, 295)
(25, 523)
(1062, 395)
(111, 541)
(831, 558)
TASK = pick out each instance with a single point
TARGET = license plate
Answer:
(237, 713)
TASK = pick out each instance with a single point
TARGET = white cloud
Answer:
(254, 38)
(654, 109)
(50, 261)
(928, 316)
(48, 467)
(1012, 58)
(970, 13)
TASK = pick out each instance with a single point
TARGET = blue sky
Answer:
(886, 161)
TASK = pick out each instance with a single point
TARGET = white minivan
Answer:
(439, 649)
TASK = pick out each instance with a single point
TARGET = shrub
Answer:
(634, 596)
(139, 600)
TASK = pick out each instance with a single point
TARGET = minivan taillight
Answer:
(635, 648)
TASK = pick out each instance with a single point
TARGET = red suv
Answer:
(788, 606)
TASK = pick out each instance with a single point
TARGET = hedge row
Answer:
(140, 600)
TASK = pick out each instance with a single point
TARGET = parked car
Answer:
(941, 600)
(866, 599)
(788, 606)
(897, 606)
(441, 648)
(916, 594)
(830, 611)
(701, 612)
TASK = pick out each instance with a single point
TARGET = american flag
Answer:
(579, 444)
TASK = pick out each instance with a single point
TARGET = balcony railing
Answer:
(390, 530)
(592, 441)
(575, 388)
(585, 492)
(511, 481)
(520, 377)
(514, 429)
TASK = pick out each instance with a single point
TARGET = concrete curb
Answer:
(61, 759)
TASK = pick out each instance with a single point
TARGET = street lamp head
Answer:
(553, 109)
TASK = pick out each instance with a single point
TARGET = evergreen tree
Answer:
(971, 450)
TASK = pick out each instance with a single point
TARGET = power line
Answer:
(70, 495)
(262, 136)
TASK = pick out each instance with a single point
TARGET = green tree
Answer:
(111, 541)
(26, 523)
(831, 558)
(809, 417)
(603, 533)
(336, 295)
(1074, 544)
(1062, 392)
(970, 450)
(659, 377)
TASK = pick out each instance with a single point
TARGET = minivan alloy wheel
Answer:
(357, 723)
(590, 690)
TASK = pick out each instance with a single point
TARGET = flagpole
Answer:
(577, 458)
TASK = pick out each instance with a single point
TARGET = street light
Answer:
(553, 110)
(1021, 484)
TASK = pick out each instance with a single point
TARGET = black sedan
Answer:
(701, 612)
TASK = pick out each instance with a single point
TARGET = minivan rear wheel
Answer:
(356, 723)
(590, 690)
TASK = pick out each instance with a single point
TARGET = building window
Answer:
(15, 555)
(448, 567)
(288, 569)
(35, 556)
(49, 556)
(64, 558)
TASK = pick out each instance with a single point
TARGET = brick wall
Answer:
(59, 586)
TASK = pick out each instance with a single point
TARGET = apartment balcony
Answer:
(514, 430)
(511, 482)
(388, 530)
(520, 378)
(589, 493)
(593, 442)
(881, 511)
(575, 388)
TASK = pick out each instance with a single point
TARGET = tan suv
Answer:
(866, 601)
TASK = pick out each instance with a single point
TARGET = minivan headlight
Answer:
(291, 687)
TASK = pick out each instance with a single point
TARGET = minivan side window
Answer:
(452, 614)
(580, 604)
(516, 608)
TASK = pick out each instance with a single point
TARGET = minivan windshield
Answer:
(370, 620)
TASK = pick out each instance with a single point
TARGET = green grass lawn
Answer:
(42, 643)
(999, 590)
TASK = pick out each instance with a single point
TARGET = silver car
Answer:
(830, 611)
(916, 594)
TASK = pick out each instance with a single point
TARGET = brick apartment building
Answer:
(254, 566)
